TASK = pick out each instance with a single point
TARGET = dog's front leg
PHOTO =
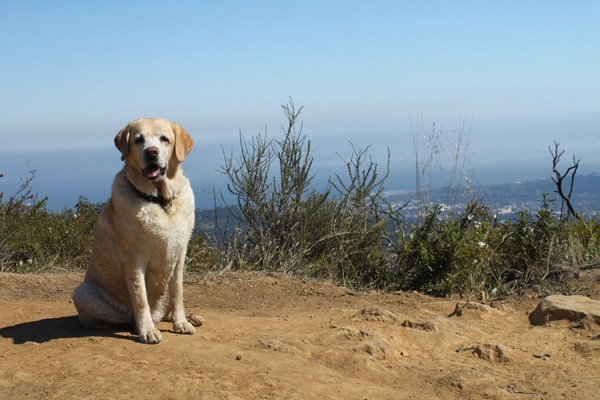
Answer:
(141, 309)
(180, 322)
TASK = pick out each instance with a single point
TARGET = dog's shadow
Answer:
(48, 329)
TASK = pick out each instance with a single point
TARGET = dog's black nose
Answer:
(151, 152)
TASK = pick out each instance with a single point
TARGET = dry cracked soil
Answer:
(274, 337)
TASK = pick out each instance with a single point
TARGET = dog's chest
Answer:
(166, 227)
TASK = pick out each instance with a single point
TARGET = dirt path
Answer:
(276, 338)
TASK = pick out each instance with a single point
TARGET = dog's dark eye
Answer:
(164, 139)
(139, 139)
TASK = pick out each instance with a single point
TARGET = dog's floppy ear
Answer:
(122, 142)
(183, 142)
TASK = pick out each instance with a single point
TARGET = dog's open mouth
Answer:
(154, 172)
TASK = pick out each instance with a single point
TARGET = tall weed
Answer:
(285, 224)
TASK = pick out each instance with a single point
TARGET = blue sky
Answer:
(73, 73)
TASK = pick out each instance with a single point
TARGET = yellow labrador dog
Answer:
(135, 274)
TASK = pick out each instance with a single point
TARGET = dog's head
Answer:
(153, 146)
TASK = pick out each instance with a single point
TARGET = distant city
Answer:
(508, 199)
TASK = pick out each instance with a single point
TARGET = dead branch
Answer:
(558, 179)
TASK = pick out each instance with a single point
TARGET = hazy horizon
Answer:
(64, 175)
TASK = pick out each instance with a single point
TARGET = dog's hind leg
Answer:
(96, 309)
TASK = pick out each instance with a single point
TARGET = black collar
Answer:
(160, 200)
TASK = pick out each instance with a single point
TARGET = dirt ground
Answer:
(272, 337)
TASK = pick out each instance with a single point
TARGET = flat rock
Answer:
(572, 308)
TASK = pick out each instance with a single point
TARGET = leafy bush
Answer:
(34, 238)
(426, 256)
(473, 255)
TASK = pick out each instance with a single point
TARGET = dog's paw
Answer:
(195, 319)
(150, 336)
(184, 327)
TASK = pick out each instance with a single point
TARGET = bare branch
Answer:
(558, 179)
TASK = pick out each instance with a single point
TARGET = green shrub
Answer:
(34, 238)
(426, 254)
(471, 255)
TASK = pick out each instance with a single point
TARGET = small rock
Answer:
(424, 325)
(377, 314)
(275, 345)
(500, 306)
(461, 306)
(492, 352)
(542, 355)
(589, 345)
(379, 349)
(437, 323)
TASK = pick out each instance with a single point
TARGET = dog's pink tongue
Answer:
(151, 173)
